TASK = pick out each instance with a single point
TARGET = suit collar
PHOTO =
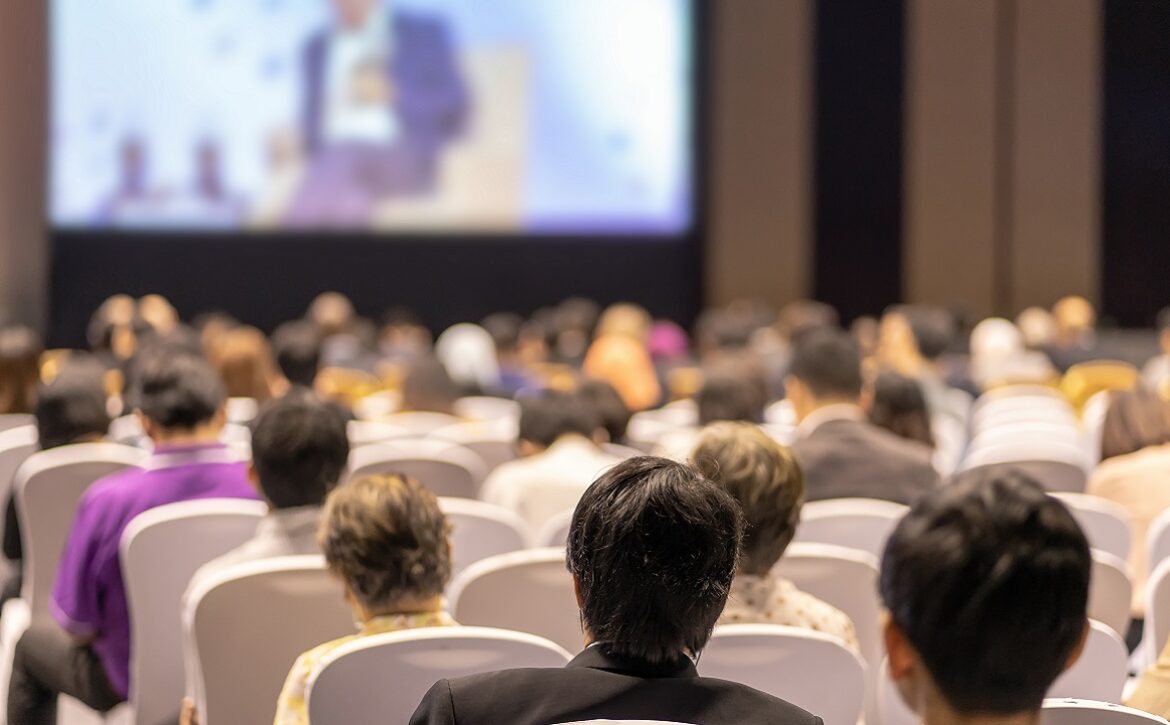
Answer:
(829, 414)
(596, 658)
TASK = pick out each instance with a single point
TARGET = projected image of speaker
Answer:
(529, 116)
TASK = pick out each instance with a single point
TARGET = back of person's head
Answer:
(244, 361)
(932, 329)
(73, 407)
(428, 386)
(899, 406)
(549, 415)
(299, 449)
(296, 346)
(625, 320)
(604, 399)
(802, 316)
(332, 313)
(653, 546)
(1074, 315)
(732, 391)
(20, 369)
(178, 392)
(764, 478)
(387, 539)
(111, 318)
(504, 328)
(827, 363)
(987, 585)
(1136, 419)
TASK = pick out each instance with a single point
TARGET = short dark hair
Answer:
(933, 328)
(828, 363)
(764, 478)
(73, 406)
(299, 449)
(732, 391)
(297, 348)
(615, 414)
(387, 538)
(547, 415)
(989, 580)
(899, 406)
(654, 546)
(178, 391)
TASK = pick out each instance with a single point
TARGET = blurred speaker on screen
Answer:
(384, 97)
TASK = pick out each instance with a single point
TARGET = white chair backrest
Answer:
(445, 469)
(493, 441)
(1093, 421)
(790, 663)
(855, 523)
(1157, 624)
(127, 430)
(480, 530)
(845, 578)
(526, 591)
(1110, 592)
(1106, 524)
(49, 485)
(1100, 672)
(245, 626)
(1087, 712)
(160, 551)
(486, 408)
(1028, 450)
(9, 421)
(365, 432)
(422, 423)
(1158, 541)
(241, 410)
(545, 502)
(1055, 476)
(555, 531)
(377, 405)
(16, 445)
(1011, 433)
(382, 678)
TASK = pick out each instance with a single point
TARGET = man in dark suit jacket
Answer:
(404, 101)
(841, 454)
(652, 549)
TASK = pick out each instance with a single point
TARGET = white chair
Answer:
(480, 530)
(49, 486)
(1087, 712)
(555, 531)
(493, 441)
(542, 503)
(482, 407)
(1110, 592)
(1106, 524)
(526, 591)
(365, 432)
(1012, 432)
(8, 421)
(422, 423)
(1038, 460)
(856, 523)
(1093, 421)
(445, 469)
(1157, 542)
(382, 678)
(781, 413)
(16, 445)
(845, 578)
(128, 431)
(377, 405)
(1100, 672)
(241, 411)
(160, 550)
(1157, 627)
(791, 663)
(243, 628)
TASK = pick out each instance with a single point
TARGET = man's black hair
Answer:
(73, 406)
(732, 391)
(178, 391)
(296, 346)
(828, 363)
(654, 546)
(548, 415)
(299, 449)
(615, 414)
(989, 580)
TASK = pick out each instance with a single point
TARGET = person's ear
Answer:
(254, 479)
(148, 426)
(899, 652)
(1079, 648)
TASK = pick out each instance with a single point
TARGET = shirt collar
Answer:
(290, 521)
(596, 657)
(826, 414)
(396, 622)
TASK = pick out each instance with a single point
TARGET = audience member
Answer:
(110, 333)
(296, 346)
(71, 409)
(428, 388)
(619, 356)
(912, 342)
(1037, 327)
(558, 442)
(244, 362)
(181, 405)
(764, 478)
(518, 345)
(1134, 469)
(615, 416)
(732, 391)
(1076, 333)
(387, 541)
(1156, 372)
(652, 549)
(986, 583)
(842, 454)
(898, 405)
(468, 352)
(998, 356)
(20, 370)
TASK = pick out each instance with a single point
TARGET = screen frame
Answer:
(264, 278)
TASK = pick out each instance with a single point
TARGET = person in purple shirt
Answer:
(88, 655)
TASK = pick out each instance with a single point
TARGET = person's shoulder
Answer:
(115, 489)
(756, 705)
(896, 446)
